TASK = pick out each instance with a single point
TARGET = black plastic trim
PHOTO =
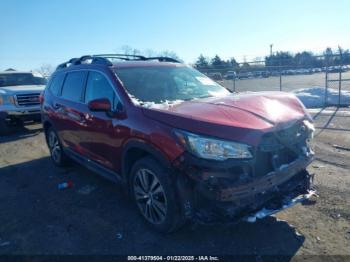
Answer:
(94, 166)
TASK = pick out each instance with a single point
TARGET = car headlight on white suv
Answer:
(6, 99)
(211, 148)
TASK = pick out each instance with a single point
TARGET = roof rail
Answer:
(104, 59)
(81, 60)
(122, 56)
(163, 59)
(138, 57)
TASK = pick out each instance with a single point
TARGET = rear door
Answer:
(52, 96)
(69, 108)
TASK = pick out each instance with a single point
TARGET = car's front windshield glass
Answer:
(163, 83)
(19, 79)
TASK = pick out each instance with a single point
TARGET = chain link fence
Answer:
(331, 73)
(337, 79)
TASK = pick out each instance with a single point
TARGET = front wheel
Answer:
(5, 128)
(154, 195)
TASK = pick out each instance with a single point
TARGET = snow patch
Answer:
(314, 97)
(163, 105)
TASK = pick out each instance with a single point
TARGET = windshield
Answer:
(160, 84)
(19, 79)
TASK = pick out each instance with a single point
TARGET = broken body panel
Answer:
(212, 194)
(231, 190)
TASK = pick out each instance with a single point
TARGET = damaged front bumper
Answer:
(287, 203)
(209, 194)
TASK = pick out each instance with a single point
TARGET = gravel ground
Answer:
(95, 217)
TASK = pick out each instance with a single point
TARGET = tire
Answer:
(5, 128)
(154, 195)
(58, 157)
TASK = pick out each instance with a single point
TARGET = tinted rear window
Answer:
(73, 86)
(56, 84)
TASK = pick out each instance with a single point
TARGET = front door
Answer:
(100, 138)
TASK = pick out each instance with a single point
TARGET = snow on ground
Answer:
(314, 97)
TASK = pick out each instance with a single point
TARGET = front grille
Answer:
(28, 99)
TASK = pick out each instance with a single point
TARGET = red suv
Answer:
(183, 146)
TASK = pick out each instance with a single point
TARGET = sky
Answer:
(37, 32)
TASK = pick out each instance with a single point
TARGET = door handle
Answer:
(57, 106)
(87, 116)
(84, 118)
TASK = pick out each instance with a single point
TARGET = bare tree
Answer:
(168, 53)
(149, 52)
(128, 50)
(45, 70)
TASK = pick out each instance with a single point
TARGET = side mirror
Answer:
(101, 104)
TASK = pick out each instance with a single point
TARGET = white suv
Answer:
(19, 98)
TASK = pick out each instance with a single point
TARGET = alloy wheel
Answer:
(55, 147)
(150, 196)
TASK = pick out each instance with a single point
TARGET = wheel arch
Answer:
(46, 125)
(137, 149)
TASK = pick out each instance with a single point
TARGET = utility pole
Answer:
(271, 45)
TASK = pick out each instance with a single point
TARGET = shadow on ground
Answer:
(324, 121)
(21, 132)
(95, 217)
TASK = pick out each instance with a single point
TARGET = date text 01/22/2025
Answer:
(173, 258)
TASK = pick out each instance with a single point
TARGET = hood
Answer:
(271, 107)
(228, 116)
(21, 89)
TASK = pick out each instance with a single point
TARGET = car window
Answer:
(56, 84)
(98, 87)
(73, 86)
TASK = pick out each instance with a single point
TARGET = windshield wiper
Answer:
(187, 99)
(193, 98)
(207, 96)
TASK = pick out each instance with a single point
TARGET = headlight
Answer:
(5, 99)
(310, 127)
(214, 149)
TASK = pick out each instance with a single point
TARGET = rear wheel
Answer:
(154, 195)
(56, 151)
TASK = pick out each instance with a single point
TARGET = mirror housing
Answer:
(100, 105)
